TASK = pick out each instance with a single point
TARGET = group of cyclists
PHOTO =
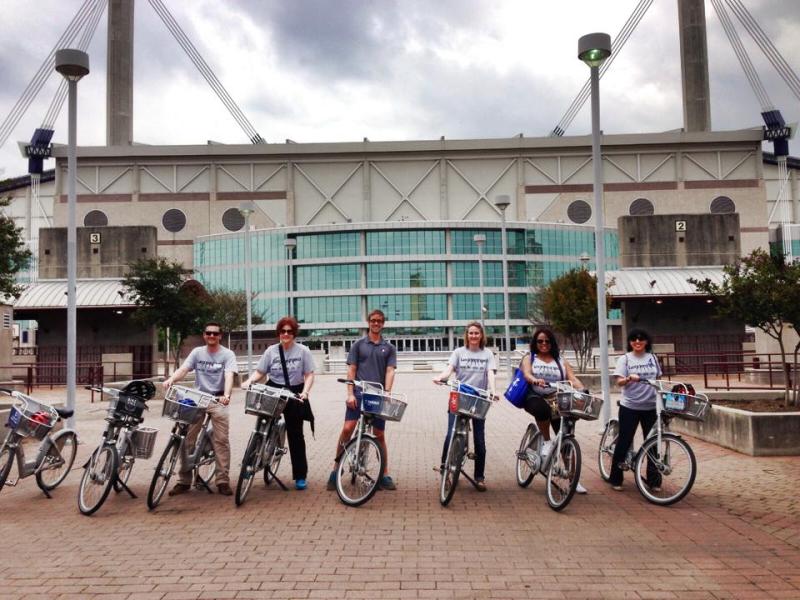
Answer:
(289, 364)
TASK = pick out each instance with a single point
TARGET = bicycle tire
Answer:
(605, 452)
(356, 477)
(275, 450)
(563, 474)
(163, 473)
(451, 469)
(62, 452)
(677, 468)
(250, 466)
(98, 478)
(7, 456)
(532, 438)
(207, 462)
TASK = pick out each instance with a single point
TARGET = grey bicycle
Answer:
(124, 440)
(185, 406)
(30, 418)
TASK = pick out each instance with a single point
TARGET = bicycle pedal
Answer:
(471, 455)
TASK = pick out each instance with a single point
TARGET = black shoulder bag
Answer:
(308, 414)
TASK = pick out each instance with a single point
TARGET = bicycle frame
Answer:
(27, 468)
(180, 432)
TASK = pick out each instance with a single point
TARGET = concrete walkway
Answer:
(737, 535)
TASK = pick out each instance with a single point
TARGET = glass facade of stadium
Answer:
(423, 276)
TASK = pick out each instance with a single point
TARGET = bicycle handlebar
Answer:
(7, 391)
(455, 384)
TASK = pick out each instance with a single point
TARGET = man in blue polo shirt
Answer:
(372, 359)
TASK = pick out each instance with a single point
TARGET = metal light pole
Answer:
(246, 209)
(594, 49)
(290, 244)
(480, 240)
(73, 65)
(503, 202)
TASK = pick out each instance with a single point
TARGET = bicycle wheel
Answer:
(531, 440)
(563, 474)
(452, 469)
(358, 473)
(672, 472)
(276, 448)
(251, 463)
(58, 461)
(7, 456)
(207, 462)
(98, 477)
(605, 453)
(164, 470)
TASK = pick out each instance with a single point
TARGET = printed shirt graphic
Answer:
(209, 369)
(299, 362)
(548, 371)
(635, 395)
(472, 367)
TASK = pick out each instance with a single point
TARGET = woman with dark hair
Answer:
(544, 365)
(473, 365)
(638, 404)
(293, 359)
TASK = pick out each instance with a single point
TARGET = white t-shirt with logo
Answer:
(299, 362)
(549, 371)
(636, 395)
(472, 367)
(210, 368)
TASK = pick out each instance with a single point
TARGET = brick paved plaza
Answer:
(737, 535)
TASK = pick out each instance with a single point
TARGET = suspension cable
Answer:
(202, 66)
(616, 46)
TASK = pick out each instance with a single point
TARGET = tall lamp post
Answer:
(594, 49)
(480, 240)
(73, 65)
(246, 209)
(503, 202)
(290, 244)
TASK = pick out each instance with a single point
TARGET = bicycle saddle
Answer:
(64, 413)
(141, 389)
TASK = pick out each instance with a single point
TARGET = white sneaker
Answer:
(579, 489)
(547, 447)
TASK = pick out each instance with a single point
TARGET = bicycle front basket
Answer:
(144, 440)
(31, 418)
(472, 406)
(185, 405)
(386, 406)
(579, 405)
(685, 406)
(265, 401)
(124, 405)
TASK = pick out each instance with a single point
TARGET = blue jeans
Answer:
(479, 437)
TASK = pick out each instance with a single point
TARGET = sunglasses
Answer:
(543, 341)
(212, 333)
(286, 332)
(376, 320)
(638, 338)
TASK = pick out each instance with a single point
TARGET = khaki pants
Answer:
(220, 419)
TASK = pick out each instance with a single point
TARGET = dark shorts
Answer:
(352, 414)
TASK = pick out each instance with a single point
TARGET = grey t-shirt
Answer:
(471, 367)
(299, 362)
(549, 371)
(210, 368)
(372, 359)
(636, 395)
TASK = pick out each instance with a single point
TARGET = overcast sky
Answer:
(342, 70)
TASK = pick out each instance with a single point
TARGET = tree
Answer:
(14, 256)
(229, 309)
(165, 299)
(569, 306)
(763, 291)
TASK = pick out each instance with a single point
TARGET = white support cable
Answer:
(198, 61)
(767, 47)
(61, 94)
(205, 70)
(45, 70)
(741, 54)
(617, 45)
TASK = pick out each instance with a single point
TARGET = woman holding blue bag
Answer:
(543, 366)
(473, 365)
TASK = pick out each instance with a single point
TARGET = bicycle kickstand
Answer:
(277, 480)
(124, 486)
(199, 483)
(470, 479)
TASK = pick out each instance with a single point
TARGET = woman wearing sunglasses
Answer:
(545, 365)
(291, 358)
(638, 404)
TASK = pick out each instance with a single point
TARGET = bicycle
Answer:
(111, 464)
(466, 402)
(670, 457)
(361, 464)
(30, 418)
(266, 446)
(185, 406)
(562, 466)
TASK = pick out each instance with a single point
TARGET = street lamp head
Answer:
(479, 238)
(290, 243)
(247, 208)
(594, 48)
(72, 64)
(502, 202)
